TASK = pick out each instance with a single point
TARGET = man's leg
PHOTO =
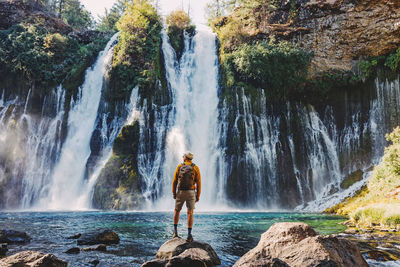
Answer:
(176, 221)
(190, 224)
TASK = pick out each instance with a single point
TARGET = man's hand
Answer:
(197, 199)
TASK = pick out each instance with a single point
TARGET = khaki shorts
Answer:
(185, 195)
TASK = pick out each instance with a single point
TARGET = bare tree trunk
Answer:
(60, 8)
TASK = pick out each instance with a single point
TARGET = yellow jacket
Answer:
(197, 178)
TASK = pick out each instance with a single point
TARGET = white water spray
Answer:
(68, 184)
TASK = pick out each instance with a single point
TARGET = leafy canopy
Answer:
(178, 18)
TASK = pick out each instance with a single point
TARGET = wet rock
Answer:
(178, 252)
(74, 236)
(14, 237)
(94, 262)
(297, 244)
(3, 249)
(155, 263)
(99, 237)
(380, 255)
(32, 258)
(74, 250)
(101, 247)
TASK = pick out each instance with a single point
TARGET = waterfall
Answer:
(188, 123)
(29, 146)
(67, 187)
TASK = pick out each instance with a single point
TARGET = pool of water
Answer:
(231, 234)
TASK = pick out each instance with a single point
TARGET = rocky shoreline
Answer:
(284, 244)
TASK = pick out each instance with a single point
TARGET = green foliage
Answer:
(368, 67)
(137, 50)
(179, 19)
(392, 61)
(393, 153)
(43, 58)
(278, 66)
(76, 15)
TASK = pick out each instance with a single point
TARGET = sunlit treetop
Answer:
(178, 18)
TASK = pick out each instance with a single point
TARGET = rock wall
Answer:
(338, 32)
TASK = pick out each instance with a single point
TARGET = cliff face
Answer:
(17, 11)
(338, 32)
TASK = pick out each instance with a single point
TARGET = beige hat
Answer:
(189, 155)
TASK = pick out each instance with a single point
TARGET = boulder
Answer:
(297, 244)
(99, 237)
(100, 247)
(76, 236)
(178, 252)
(3, 249)
(34, 259)
(177, 246)
(13, 237)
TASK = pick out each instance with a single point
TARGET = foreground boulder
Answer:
(32, 258)
(297, 244)
(14, 237)
(102, 237)
(178, 252)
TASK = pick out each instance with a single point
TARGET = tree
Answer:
(109, 20)
(76, 15)
(178, 18)
(217, 8)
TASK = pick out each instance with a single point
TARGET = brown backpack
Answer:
(186, 177)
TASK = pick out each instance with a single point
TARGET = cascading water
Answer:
(67, 187)
(29, 146)
(188, 123)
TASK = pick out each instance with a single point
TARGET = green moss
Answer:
(117, 186)
(176, 37)
(352, 179)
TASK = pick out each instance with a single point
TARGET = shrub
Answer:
(392, 61)
(277, 66)
(179, 19)
(43, 58)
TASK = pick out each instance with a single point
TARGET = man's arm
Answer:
(198, 183)
(175, 181)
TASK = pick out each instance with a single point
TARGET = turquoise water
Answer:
(142, 233)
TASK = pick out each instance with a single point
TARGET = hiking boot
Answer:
(175, 234)
(189, 238)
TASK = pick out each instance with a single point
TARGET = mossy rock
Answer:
(118, 186)
(176, 37)
(351, 179)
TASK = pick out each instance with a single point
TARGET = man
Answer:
(188, 182)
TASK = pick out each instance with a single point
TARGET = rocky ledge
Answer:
(297, 244)
(18, 11)
(337, 32)
(178, 252)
